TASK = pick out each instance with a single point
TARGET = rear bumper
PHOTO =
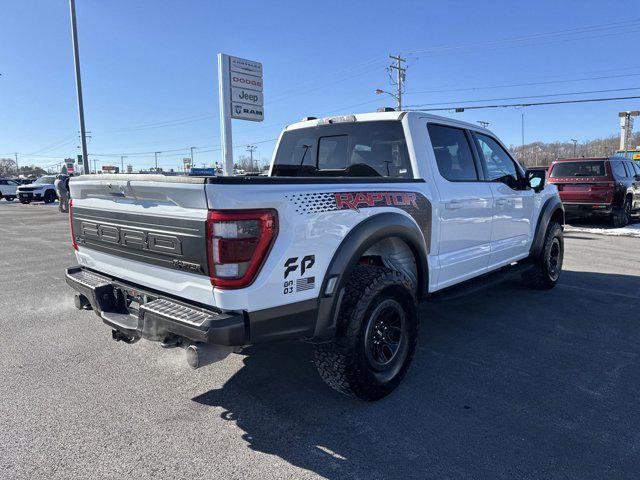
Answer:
(584, 209)
(139, 313)
(142, 314)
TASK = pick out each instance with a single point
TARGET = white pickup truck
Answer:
(360, 218)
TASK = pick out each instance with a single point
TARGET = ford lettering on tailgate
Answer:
(133, 238)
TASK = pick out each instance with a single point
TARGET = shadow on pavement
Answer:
(507, 383)
(596, 222)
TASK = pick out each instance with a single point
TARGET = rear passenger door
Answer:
(465, 206)
(512, 227)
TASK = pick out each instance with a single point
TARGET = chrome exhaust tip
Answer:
(202, 354)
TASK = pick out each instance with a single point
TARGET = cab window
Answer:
(497, 162)
(453, 153)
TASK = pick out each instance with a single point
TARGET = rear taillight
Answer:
(73, 237)
(238, 242)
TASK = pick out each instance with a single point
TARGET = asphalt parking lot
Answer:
(506, 383)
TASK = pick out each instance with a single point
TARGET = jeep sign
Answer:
(242, 95)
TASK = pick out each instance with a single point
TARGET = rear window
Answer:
(579, 169)
(365, 149)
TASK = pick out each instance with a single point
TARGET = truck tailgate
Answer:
(147, 229)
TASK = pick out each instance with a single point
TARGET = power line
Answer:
(532, 104)
(527, 84)
(557, 34)
(520, 97)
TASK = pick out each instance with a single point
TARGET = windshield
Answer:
(364, 149)
(44, 180)
(579, 169)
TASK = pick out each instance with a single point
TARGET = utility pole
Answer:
(17, 168)
(400, 71)
(122, 157)
(76, 58)
(250, 149)
(626, 128)
(156, 155)
(398, 82)
(575, 142)
(192, 149)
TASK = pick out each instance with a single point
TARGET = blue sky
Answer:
(150, 74)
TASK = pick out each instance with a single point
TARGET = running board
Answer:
(477, 284)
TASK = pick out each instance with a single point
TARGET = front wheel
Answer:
(49, 196)
(376, 335)
(9, 198)
(547, 267)
(25, 202)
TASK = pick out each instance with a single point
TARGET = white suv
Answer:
(8, 189)
(42, 190)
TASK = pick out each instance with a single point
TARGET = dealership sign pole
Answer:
(241, 97)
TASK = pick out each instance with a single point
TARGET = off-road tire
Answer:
(621, 217)
(545, 272)
(50, 196)
(346, 364)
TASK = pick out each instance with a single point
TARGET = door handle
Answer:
(502, 202)
(454, 205)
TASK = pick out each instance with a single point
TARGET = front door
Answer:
(512, 227)
(465, 207)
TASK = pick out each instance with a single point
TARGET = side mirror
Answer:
(536, 179)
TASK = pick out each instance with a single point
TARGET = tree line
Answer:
(541, 153)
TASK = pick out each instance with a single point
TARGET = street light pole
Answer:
(575, 142)
(192, 149)
(250, 149)
(156, 155)
(122, 157)
(17, 167)
(76, 58)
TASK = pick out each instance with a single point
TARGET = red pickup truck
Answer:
(605, 186)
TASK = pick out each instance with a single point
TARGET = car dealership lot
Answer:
(507, 383)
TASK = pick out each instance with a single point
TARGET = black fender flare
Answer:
(549, 208)
(357, 241)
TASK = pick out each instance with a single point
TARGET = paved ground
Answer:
(508, 383)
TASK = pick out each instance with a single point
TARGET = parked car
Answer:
(42, 190)
(361, 217)
(608, 187)
(8, 189)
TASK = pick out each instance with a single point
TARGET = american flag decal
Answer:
(303, 284)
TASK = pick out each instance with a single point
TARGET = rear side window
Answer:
(579, 169)
(618, 169)
(358, 149)
(453, 153)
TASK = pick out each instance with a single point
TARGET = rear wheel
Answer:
(621, 217)
(49, 196)
(376, 335)
(547, 267)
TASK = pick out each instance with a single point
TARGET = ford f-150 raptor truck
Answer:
(360, 218)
